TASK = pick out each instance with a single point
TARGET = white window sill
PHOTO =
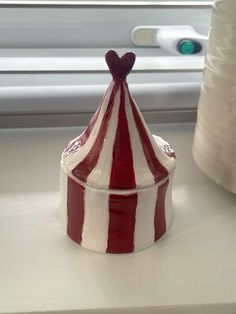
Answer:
(191, 270)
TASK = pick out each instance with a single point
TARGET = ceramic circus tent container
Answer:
(116, 178)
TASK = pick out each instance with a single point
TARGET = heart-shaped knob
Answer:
(120, 67)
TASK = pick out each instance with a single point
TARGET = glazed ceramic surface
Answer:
(214, 147)
(116, 177)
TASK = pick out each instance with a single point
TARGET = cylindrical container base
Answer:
(115, 221)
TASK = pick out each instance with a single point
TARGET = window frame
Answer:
(14, 62)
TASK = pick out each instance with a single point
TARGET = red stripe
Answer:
(75, 210)
(82, 139)
(122, 209)
(159, 172)
(88, 130)
(160, 220)
(85, 135)
(122, 171)
(85, 167)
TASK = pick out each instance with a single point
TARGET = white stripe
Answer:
(63, 201)
(144, 233)
(100, 176)
(166, 161)
(96, 220)
(73, 160)
(143, 175)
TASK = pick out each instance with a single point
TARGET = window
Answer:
(52, 57)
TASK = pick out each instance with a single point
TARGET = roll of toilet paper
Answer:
(214, 147)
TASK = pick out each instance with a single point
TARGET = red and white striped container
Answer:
(116, 177)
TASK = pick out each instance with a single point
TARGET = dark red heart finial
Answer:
(120, 67)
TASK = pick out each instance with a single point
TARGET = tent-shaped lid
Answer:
(117, 150)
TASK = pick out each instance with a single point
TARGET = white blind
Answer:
(48, 49)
